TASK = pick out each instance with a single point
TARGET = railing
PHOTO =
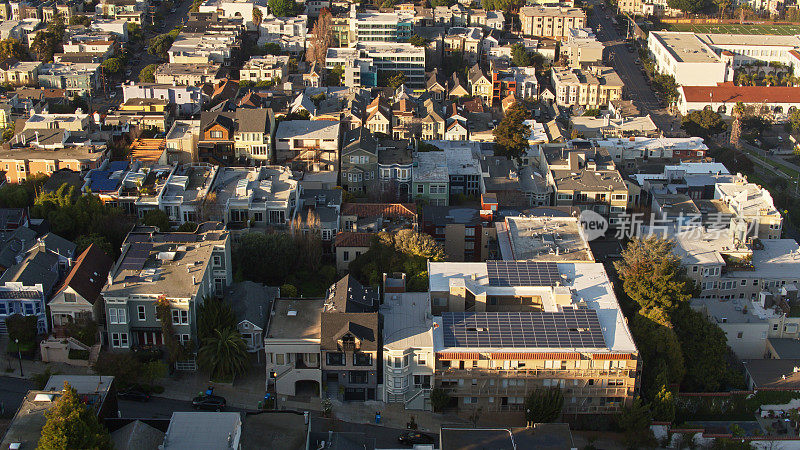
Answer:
(425, 391)
(535, 373)
(519, 390)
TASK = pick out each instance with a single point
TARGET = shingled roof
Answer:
(363, 326)
(353, 239)
(408, 210)
(89, 273)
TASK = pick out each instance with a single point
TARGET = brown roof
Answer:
(728, 93)
(353, 239)
(89, 273)
(363, 326)
(408, 210)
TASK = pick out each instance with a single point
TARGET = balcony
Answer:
(535, 373)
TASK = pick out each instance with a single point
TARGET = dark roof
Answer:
(395, 155)
(348, 295)
(36, 268)
(252, 302)
(60, 177)
(16, 242)
(544, 436)
(137, 435)
(11, 218)
(359, 138)
(253, 120)
(226, 119)
(89, 273)
(476, 439)
(353, 239)
(442, 215)
(785, 348)
(363, 326)
(780, 374)
(56, 244)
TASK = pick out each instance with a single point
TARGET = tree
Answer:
(323, 35)
(271, 48)
(14, 195)
(160, 44)
(257, 252)
(147, 75)
(224, 354)
(705, 123)
(738, 113)
(544, 405)
(213, 315)
(156, 218)
(123, 366)
(112, 65)
(288, 291)
(690, 6)
(187, 227)
(72, 424)
(85, 240)
(80, 20)
(435, 3)
(257, 17)
(439, 399)
(176, 351)
(418, 41)
(664, 405)
(283, 8)
(511, 135)
(652, 276)
(634, 421)
(12, 48)
(520, 56)
(135, 33)
(23, 328)
(152, 371)
(794, 120)
(397, 80)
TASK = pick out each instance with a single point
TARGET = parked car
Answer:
(134, 393)
(209, 402)
(415, 437)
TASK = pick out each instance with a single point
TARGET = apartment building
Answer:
(380, 27)
(460, 230)
(505, 328)
(467, 41)
(430, 179)
(363, 62)
(585, 178)
(188, 100)
(24, 160)
(19, 73)
(181, 141)
(265, 68)
(179, 268)
(777, 101)
(203, 48)
(75, 78)
(543, 238)
(550, 22)
(408, 357)
(187, 74)
(754, 205)
(582, 48)
(308, 145)
(292, 346)
(359, 160)
(640, 147)
(256, 197)
(185, 192)
(594, 87)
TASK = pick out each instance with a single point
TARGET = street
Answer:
(624, 62)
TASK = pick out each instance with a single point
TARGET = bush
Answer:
(288, 291)
(79, 354)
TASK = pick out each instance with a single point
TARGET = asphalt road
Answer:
(157, 408)
(636, 87)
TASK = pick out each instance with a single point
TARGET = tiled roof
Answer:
(380, 209)
(353, 239)
(728, 93)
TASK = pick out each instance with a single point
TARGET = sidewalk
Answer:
(244, 393)
(35, 367)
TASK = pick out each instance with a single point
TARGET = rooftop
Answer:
(551, 11)
(431, 167)
(675, 205)
(728, 93)
(544, 239)
(407, 322)
(780, 374)
(269, 184)
(686, 47)
(308, 129)
(198, 430)
(297, 319)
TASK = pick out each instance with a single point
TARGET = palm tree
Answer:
(737, 112)
(742, 79)
(224, 354)
(213, 315)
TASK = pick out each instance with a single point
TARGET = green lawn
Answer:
(782, 29)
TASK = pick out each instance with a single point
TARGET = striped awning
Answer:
(450, 356)
(537, 356)
(611, 356)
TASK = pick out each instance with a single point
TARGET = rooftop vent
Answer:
(291, 313)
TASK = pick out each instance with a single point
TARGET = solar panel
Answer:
(578, 328)
(522, 273)
(136, 256)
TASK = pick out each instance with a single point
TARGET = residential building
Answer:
(187, 74)
(639, 147)
(78, 299)
(23, 161)
(349, 245)
(483, 359)
(585, 178)
(18, 73)
(359, 160)
(589, 88)
(394, 171)
(189, 430)
(319, 210)
(466, 41)
(216, 140)
(550, 22)
(543, 238)
(363, 63)
(433, 125)
(582, 48)
(292, 346)
(257, 197)
(176, 269)
(380, 27)
(408, 357)
(253, 138)
(252, 303)
(350, 346)
(308, 145)
(435, 86)
(754, 205)
(431, 179)
(374, 217)
(203, 48)
(480, 84)
(76, 78)
(274, 28)
(493, 20)
(181, 141)
(184, 195)
(188, 100)
(459, 229)
(265, 68)
(379, 117)
(605, 127)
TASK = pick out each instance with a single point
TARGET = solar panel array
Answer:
(578, 328)
(136, 256)
(522, 273)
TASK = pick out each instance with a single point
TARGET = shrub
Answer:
(75, 353)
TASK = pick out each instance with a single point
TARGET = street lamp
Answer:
(19, 353)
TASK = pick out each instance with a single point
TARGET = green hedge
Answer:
(79, 354)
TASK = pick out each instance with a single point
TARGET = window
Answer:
(28, 309)
(216, 134)
(739, 335)
(217, 260)
(469, 231)
(335, 358)
(421, 360)
(140, 312)
(346, 255)
(69, 297)
(155, 313)
(279, 359)
(119, 340)
(420, 189)
(184, 338)
(362, 359)
(3, 309)
(117, 315)
(180, 317)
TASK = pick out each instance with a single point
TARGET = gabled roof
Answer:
(475, 74)
(89, 273)
(349, 296)
(363, 326)
(137, 435)
(353, 239)
(253, 120)
(389, 210)
(359, 139)
(56, 244)
(224, 119)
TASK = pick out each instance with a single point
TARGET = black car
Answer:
(209, 402)
(415, 437)
(134, 393)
